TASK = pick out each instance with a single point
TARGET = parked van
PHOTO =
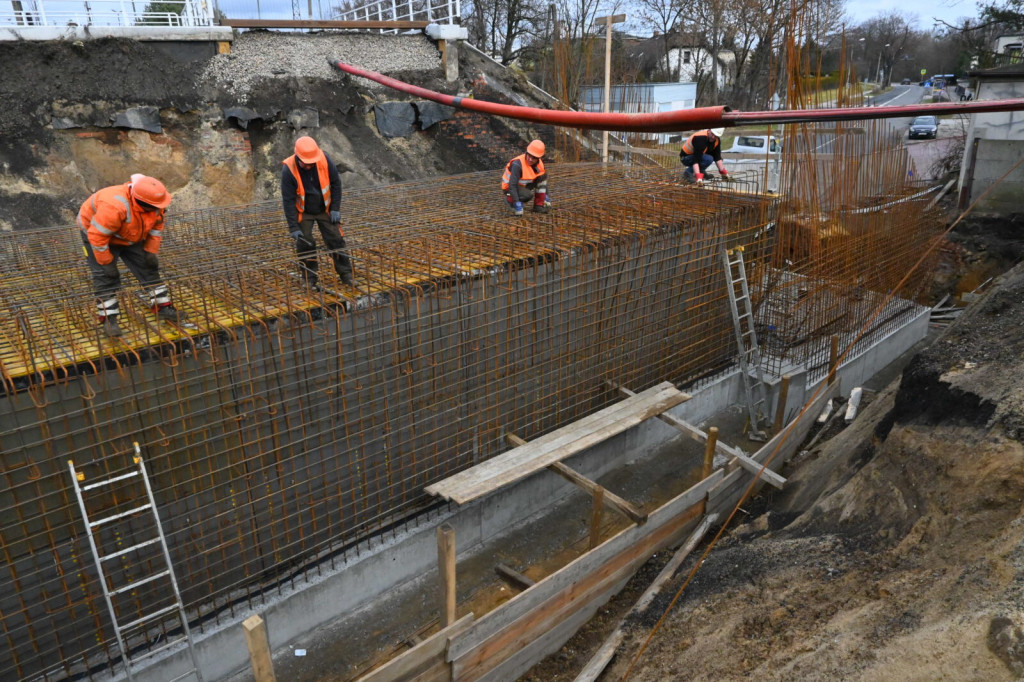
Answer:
(754, 144)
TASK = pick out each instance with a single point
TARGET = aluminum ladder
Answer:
(111, 591)
(746, 340)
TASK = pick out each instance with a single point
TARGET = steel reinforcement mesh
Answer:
(283, 426)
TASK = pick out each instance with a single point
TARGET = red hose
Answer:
(684, 119)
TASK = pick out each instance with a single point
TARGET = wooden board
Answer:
(520, 462)
(524, 607)
(426, 660)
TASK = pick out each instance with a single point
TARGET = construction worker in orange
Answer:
(311, 195)
(700, 150)
(127, 222)
(525, 179)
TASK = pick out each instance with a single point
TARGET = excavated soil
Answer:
(896, 550)
(216, 127)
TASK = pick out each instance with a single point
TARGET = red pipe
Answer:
(685, 119)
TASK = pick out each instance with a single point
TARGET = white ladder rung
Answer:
(115, 517)
(108, 481)
(137, 583)
(190, 673)
(155, 614)
(164, 647)
(130, 549)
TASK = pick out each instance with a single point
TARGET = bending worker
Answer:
(311, 195)
(699, 151)
(525, 179)
(127, 222)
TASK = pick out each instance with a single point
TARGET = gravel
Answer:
(259, 55)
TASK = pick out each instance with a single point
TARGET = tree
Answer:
(159, 8)
(500, 27)
(1010, 15)
(663, 17)
(887, 36)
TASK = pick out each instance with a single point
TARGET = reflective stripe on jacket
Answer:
(688, 145)
(110, 216)
(323, 175)
(527, 175)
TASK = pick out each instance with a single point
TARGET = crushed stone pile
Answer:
(256, 56)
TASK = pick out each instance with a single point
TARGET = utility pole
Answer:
(607, 21)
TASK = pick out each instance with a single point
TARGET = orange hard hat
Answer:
(307, 149)
(150, 191)
(536, 148)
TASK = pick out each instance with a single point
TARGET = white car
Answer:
(755, 144)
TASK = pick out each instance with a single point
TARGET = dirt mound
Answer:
(897, 550)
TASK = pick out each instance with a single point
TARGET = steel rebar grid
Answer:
(287, 428)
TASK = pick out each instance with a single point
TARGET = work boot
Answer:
(348, 280)
(170, 314)
(110, 326)
(542, 208)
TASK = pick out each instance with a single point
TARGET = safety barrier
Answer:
(173, 13)
(436, 11)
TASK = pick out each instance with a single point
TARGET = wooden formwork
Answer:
(509, 640)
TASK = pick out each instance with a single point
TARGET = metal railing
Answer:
(174, 13)
(435, 11)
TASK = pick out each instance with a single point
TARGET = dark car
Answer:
(906, 81)
(924, 126)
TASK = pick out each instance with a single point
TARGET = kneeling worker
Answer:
(311, 195)
(127, 222)
(699, 151)
(525, 179)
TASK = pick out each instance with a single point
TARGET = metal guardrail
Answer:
(434, 11)
(39, 13)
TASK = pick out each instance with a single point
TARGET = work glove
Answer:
(299, 239)
(150, 260)
(518, 207)
(700, 178)
(335, 217)
(725, 176)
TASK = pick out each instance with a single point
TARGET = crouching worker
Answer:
(525, 179)
(126, 222)
(700, 150)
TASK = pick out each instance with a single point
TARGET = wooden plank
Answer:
(579, 594)
(608, 497)
(514, 577)
(306, 23)
(695, 433)
(596, 511)
(422, 658)
(531, 599)
(255, 630)
(723, 498)
(600, 660)
(741, 458)
(523, 461)
(446, 570)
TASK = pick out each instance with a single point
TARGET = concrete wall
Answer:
(211, 34)
(995, 142)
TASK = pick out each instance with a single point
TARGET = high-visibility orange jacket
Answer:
(111, 216)
(527, 174)
(700, 143)
(323, 174)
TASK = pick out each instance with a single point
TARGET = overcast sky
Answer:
(926, 10)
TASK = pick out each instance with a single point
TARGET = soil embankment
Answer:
(75, 117)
